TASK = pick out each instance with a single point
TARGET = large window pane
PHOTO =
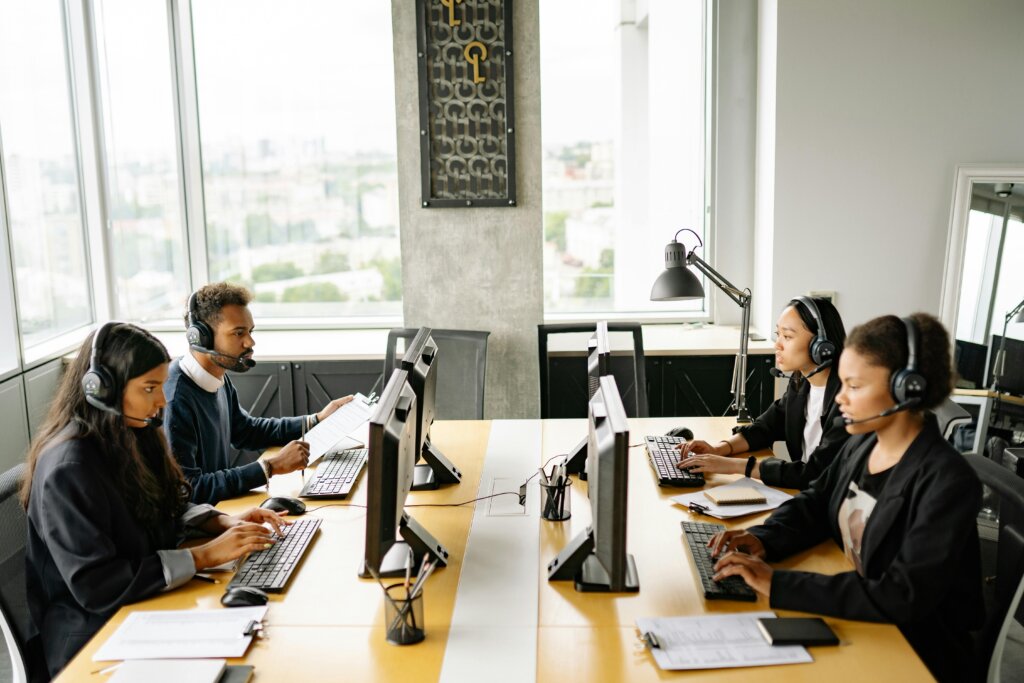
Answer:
(147, 250)
(622, 124)
(296, 112)
(41, 172)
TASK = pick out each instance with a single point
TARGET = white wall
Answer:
(876, 102)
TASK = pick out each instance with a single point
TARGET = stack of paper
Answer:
(183, 634)
(342, 422)
(716, 642)
(773, 499)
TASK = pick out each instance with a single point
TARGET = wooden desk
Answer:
(331, 621)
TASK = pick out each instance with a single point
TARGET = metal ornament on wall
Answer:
(467, 122)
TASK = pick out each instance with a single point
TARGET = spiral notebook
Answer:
(735, 495)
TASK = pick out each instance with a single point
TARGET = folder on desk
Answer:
(773, 498)
(183, 634)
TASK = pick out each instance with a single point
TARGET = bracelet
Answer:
(313, 421)
(729, 445)
(751, 461)
(268, 469)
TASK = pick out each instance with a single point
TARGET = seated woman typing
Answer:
(106, 501)
(899, 500)
(809, 338)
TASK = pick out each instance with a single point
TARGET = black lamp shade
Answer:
(1020, 317)
(676, 282)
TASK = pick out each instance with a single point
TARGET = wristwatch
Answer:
(268, 469)
(751, 461)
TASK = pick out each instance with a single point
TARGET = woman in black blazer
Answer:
(106, 502)
(809, 338)
(899, 500)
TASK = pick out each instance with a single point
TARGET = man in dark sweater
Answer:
(203, 418)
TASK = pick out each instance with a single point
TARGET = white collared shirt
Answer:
(812, 426)
(198, 374)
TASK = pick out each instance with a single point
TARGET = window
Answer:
(296, 113)
(41, 173)
(146, 237)
(623, 141)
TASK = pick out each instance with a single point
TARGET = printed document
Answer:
(182, 634)
(339, 425)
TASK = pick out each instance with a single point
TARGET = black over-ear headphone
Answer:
(98, 383)
(198, 332)
(908, 385)
(822, 350)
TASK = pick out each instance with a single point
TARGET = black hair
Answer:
(211, 298)
(830, 318)
(883, 341)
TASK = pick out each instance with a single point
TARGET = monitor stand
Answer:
(437, 470)
(578, 563)
(576, 462)
(421, 542)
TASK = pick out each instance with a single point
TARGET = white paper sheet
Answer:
(773, 499)
(342, 422)
(182, 634)
(719, 641)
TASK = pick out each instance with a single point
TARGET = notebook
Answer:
(797, 631)
(735, 495)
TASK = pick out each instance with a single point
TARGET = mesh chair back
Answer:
(462, 370)
(1002, 603)
(632, 383)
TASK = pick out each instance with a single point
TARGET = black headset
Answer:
(822, 350)
(908, 385)
(198, 332)
(98, 382)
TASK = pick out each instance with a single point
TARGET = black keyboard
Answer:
(270, 569)
(731, 587)
(336, 474)
(662, 452)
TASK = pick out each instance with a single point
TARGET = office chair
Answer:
(462, 358)
(951, 415)
(1003, 594)
(632, 385)
(15, 622)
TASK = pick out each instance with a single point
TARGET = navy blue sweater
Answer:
(202, 427)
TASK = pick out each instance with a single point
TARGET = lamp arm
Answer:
(1009, 316)
(738, 296)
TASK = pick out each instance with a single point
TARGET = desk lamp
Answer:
(679, 283)
(999, 367)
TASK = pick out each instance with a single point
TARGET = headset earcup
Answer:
(822, 350)
(98, 387)
(199, 334)
(907, 386)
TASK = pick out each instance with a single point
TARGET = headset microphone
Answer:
(157, 421)
(779, 374)
(241, 363)
(899, 407)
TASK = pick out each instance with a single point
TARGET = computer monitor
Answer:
(390, 466)
(1012, 381)
(970, 364)
(599, 364)
(597, 559)
(421, 362)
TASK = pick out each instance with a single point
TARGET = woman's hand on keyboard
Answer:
(754, 570)
(232, 544)
(712, 464)
(258, 516)
(698, 447)
(736, 539)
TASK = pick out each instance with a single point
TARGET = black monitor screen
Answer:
(1012, 381)
(389, 467)
(970, 364)
(420, 361)
(608, 483)
(599, 355)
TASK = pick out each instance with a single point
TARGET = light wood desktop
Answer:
(328, 623)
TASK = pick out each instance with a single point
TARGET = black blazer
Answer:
(86, 555)
(920, 552)
(784, 421)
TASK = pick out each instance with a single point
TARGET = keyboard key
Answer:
(730, 588)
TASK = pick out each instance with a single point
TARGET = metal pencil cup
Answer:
(555, 502)
(403, 615)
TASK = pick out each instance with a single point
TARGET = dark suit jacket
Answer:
(920, 550)
(784, 421)
(86, 555)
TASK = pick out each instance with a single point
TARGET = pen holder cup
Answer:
(555, 501)
(403, 616)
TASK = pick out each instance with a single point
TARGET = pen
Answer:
(698, 508)
(204, 577)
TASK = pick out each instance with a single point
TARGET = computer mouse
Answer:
(680, 431)
(244, 596)
(284, 505)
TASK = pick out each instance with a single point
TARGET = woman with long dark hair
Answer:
(899, 500)
(106, 502)
(809, 336)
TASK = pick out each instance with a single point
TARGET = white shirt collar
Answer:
(198, 374)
